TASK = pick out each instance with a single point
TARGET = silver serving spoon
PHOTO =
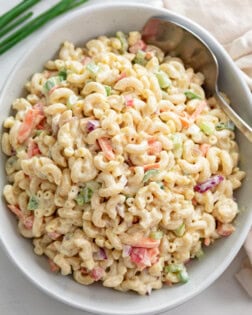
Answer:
(177, 40)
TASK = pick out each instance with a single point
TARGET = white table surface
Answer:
(20, 297)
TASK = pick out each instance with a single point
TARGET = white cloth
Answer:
(230, 21)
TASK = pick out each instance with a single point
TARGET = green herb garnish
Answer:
(33, 203)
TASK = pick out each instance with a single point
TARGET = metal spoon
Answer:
(177, 40)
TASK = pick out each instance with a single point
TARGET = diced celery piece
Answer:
(191, 96)
(180, 231)
(174, 268)
(51, 83)
(156, 235)
(183, 276)
(140, 58)
(54, 81)
(124, 43)
(179, 270)
(149, 174)
(92, 68)
(163, 79)
(206, 127)
(199, 253)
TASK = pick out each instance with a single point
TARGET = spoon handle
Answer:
(236, 119)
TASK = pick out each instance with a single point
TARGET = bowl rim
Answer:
(61, 22)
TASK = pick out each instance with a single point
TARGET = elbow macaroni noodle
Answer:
(104, 157)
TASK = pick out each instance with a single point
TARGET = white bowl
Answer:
(78, 27)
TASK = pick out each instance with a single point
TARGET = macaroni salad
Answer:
(119, 168)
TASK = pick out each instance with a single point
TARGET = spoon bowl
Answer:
(178, 41)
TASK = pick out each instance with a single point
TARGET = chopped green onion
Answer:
(191, 96)
(13, 25)
(92, 68)
(149, 174)
(85, 194)
(33, 203)
(163, 79)
(207, 128)
(24, 31)
(174, 268)
(199, 253)
(183, 276)
(180, 231)
(123, 40)
(228, 125)
(16, 11)
(157, 235)
(107, 89)
(140, 58)
(63, 74)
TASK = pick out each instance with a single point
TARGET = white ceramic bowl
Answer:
(79, 27)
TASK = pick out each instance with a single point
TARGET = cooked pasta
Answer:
(119, 168)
